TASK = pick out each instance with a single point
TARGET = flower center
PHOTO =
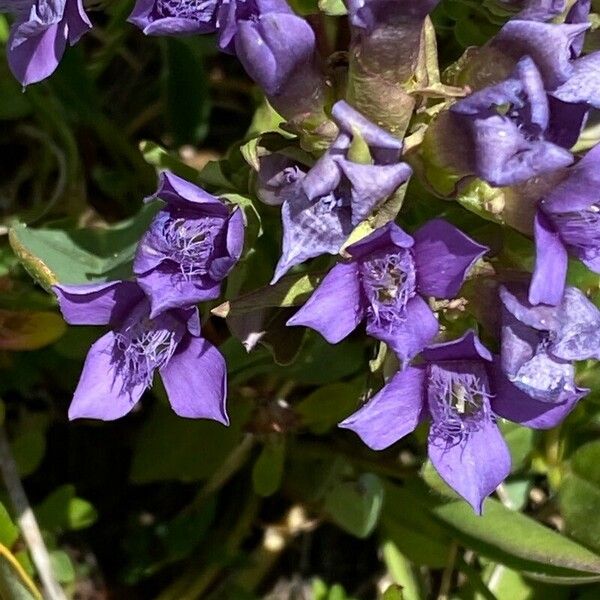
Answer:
(191, 243)
(144, 346)
(389, 282)
(196, 10)
(458, 398)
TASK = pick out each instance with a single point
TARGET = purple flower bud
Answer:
(386, 282)
(120, 366)
(39, 35)
(509, 124)
(176, 17)
(539, 342)
(190, 247)
(323, 205)
(278, 50)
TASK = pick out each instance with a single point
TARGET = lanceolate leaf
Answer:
(80, 255)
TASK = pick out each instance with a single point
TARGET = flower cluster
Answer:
(191, 245)
(507, 118)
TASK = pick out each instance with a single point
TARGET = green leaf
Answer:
(268, 468)
(356, 505)
(403, 574)
(171, 448)
(517, 541)
(416, 534)
(334, 8)
(9, 532)
(394, 592)
(291, 290)
(62, 567)
(579, 495)
(329, 405)
(186, 89)
(520, 442)
(160, 158)
(28, 447)
(62, 510)
(80, 255)
(29, 330)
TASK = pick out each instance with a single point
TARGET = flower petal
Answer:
(97, 303)
(196, 381)
(410, 336)
(475, 466)
(181, 193)
(35, 56)
(467, 347)
(443, 256)
(551, 262)
(335, 308)
(372, 184)
(101, 392)
(311, 229)
(578, 333)
(393, 412)
(515, 405)
(167, 288)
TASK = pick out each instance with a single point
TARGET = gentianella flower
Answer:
(190, 247)
(278, 50)
(452, 389)
(509, 125)
(40, 33)
(386, 281)
(540, 343)
(567, 222)
(120, 366)
(189, 17)
(322, 206)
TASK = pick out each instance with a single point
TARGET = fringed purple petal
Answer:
(473, 467)
(196, 381)
(407, 336)
(102, 392)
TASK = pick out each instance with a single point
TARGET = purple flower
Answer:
(384, 282)
(321, 207)
(120, 365)
(278, 50)
(190, 247)
(453, 389)
(39, 35)
(567, 221)
(176, 17)
(539, 343)
(188, 17)
(509, 125)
